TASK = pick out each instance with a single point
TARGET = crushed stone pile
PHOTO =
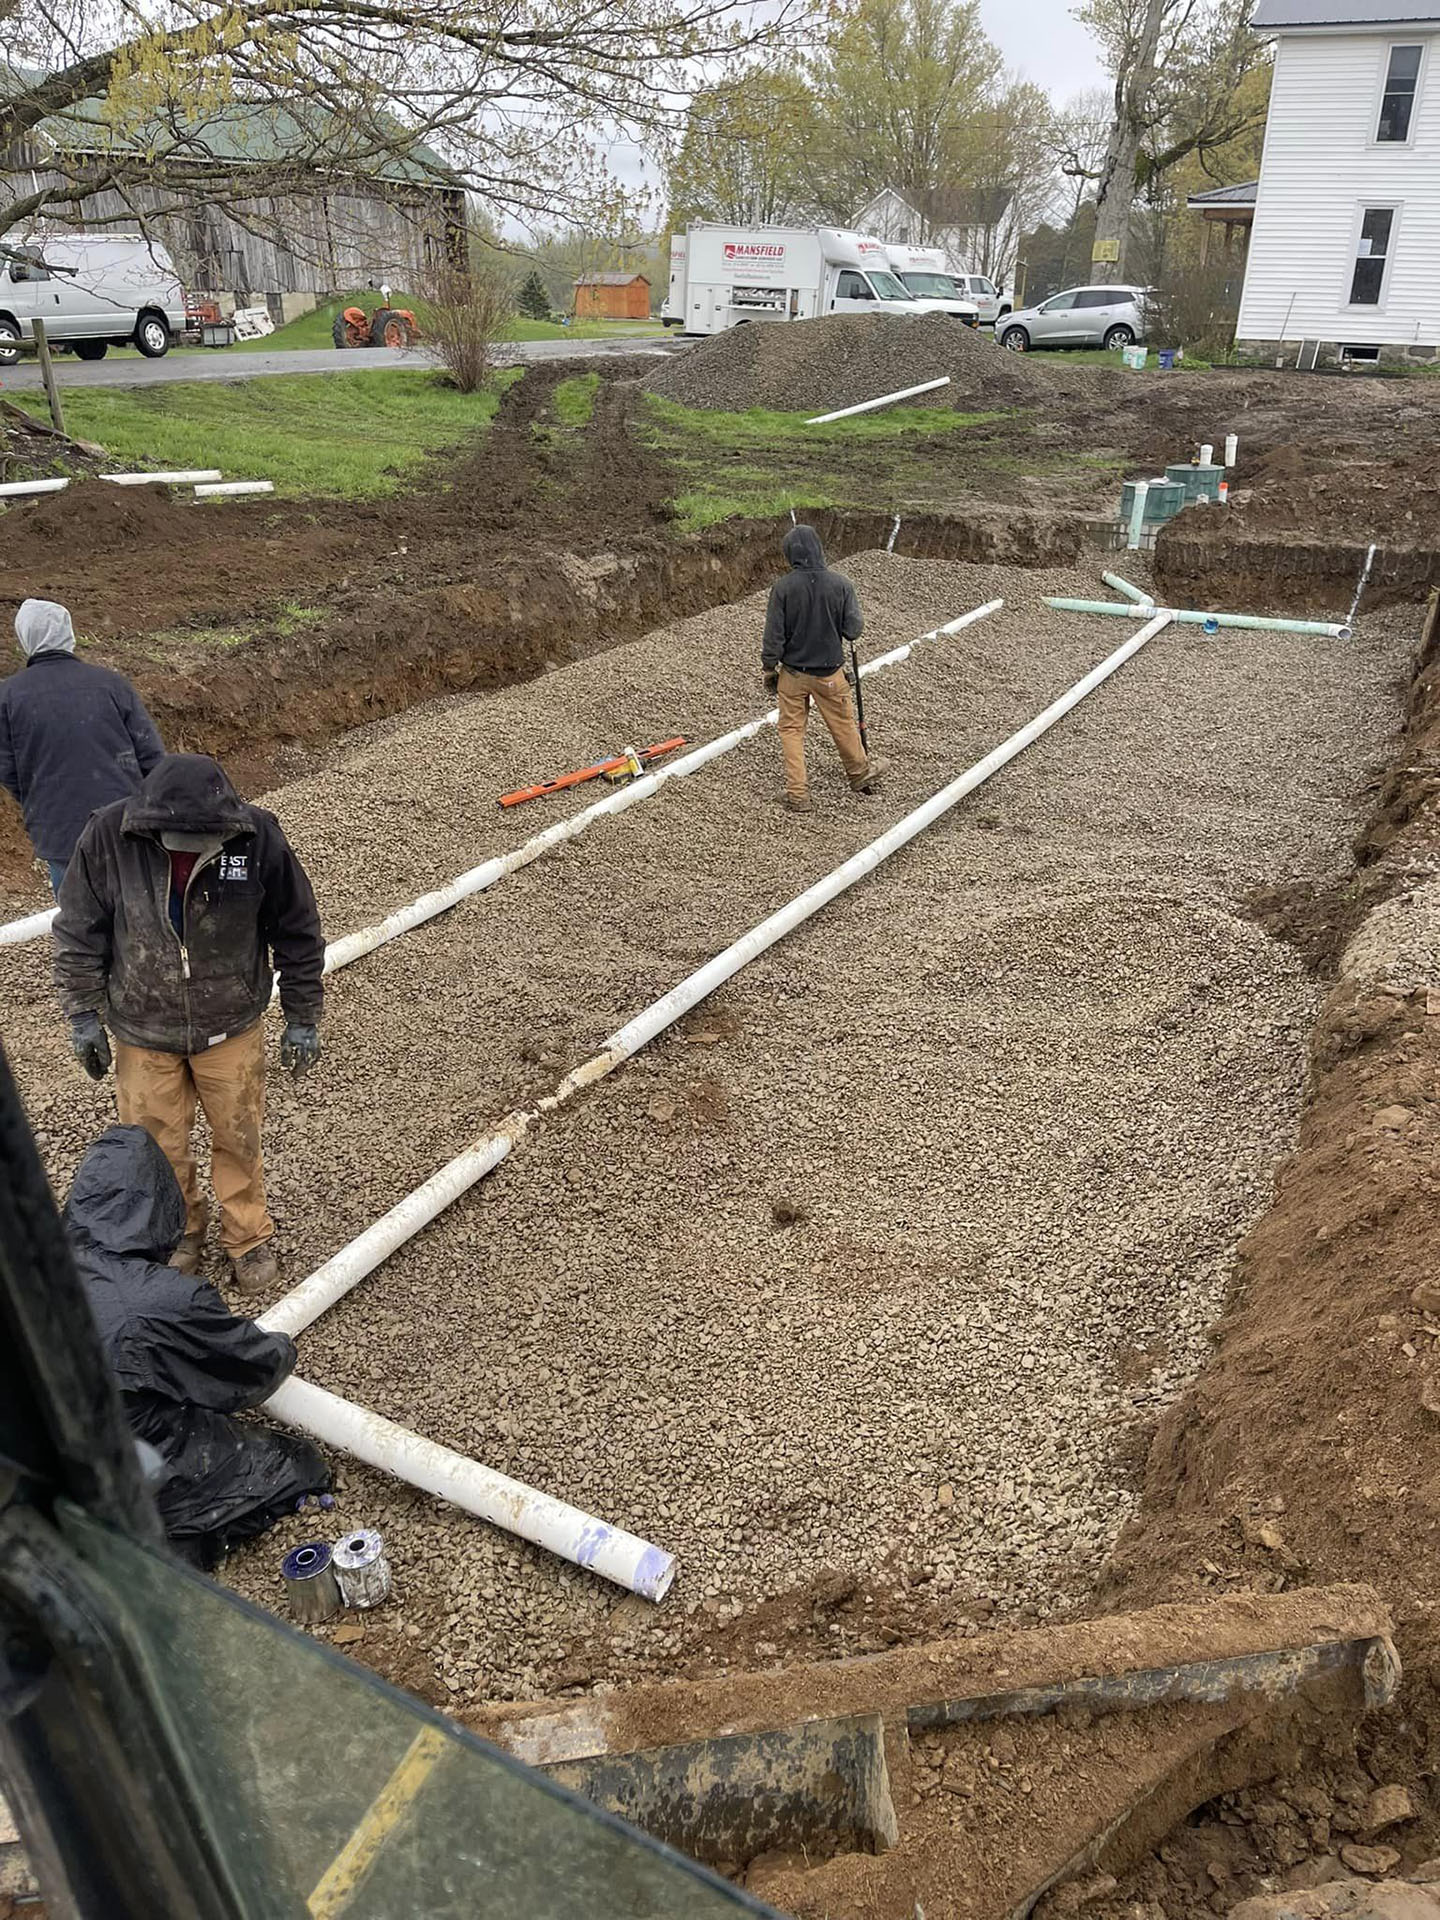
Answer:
(817, 365)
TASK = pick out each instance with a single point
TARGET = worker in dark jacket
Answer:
(813, 611)
(174, 905)
(182, 1360)
(73, 736)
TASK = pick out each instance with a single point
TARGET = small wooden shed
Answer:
(612, 296)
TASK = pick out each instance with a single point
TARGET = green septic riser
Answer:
(1200, 483)
(1165, 499)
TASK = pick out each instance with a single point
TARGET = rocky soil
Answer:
(862, 1291)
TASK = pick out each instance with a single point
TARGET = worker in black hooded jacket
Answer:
(813, 611)
(173, 907)
(182, 1360)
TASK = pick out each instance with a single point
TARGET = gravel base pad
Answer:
(881, 1261)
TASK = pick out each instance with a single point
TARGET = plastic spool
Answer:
(363, 1570)
(310, 1583)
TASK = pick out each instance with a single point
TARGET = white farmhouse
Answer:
(1344, 256)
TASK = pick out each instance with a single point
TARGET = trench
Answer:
(267, 708)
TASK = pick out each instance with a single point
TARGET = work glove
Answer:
(299, 1048)
(90, 1045)
(772, 679)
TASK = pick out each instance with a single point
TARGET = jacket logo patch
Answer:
(234, 866)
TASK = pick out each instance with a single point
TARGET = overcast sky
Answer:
(1044, 40)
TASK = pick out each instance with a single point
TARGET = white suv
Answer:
(1080, 317)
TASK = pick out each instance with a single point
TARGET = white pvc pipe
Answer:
(1135, 595)
(1232, 448)
(1207, 454)
(15, 933)
(228, 487)
(885, 400)
(564, 1530)
(354, 946)
(196, 476)
(1137, 514)
(13, 489)
(304, 1304)
(1329, 629)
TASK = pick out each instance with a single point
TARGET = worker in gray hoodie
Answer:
(813, 611)
(73, 736)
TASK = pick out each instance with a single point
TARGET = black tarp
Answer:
(183, 1361)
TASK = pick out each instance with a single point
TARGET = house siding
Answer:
(1321, 166)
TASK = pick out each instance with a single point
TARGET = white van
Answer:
(92, 290)
(924, 275)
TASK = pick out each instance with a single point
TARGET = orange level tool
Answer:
(602, 769)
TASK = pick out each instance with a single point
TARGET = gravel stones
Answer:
(817, 365)
(1026, 1085)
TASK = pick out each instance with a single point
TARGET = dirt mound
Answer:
(94, 517)
(821, 364)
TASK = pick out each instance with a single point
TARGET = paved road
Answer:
(226, 364)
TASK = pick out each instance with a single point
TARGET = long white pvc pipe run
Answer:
(561, 1529)
(304, 1304)
(885, 400)
(354, 946)
(478, 1489)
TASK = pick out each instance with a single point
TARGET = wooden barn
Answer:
(288, 218)
(612, 296)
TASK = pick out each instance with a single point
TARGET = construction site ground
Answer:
(936, 1273)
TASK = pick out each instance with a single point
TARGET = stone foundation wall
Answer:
(1287, 352)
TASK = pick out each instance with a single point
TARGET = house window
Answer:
(1372, 255)
(1397, 105)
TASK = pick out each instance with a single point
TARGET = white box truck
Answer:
(722, 277)
(92, 290)
(926, 276)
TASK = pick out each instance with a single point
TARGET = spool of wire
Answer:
(310, 1583)
(362, 1569)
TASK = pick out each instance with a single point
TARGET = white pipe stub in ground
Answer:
(479, 1489)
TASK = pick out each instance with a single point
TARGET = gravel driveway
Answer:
(1025, 1087)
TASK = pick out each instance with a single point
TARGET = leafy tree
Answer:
(744, 155)
(533, 300)
(896, 90)
(1178, 68)
(163, 105)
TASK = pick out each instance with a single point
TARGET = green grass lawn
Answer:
(762, 463)
(325, 434)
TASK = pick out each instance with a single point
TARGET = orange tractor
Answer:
(386, 327)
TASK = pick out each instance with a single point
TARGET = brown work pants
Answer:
(159, 1091)
(831, 695)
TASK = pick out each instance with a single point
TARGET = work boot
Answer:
(870, 779)
(256, 1270)
(186, 1257)
(799, 803)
